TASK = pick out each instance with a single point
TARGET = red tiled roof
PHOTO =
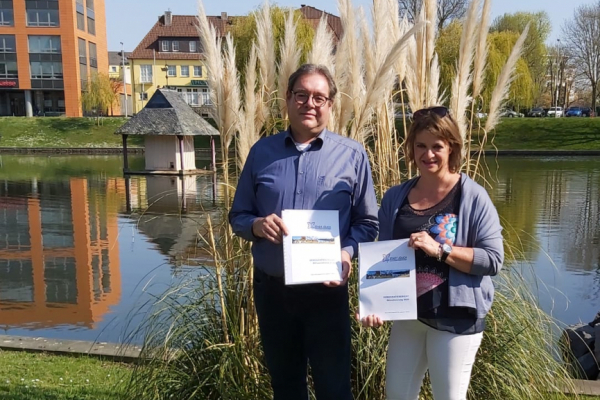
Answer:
(313, 16)
(182, 26)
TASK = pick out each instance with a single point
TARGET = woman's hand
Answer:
(422, 240)
(370, 321)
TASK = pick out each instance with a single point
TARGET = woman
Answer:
(454, 228)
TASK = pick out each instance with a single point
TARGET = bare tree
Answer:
(582, 37)
(446, 12)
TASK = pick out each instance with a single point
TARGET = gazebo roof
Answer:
(167, 114)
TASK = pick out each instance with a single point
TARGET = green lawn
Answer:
(39, 376)
(547, 134)
(510, 134)
(60, 132)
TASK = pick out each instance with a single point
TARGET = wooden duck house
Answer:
(168, 125)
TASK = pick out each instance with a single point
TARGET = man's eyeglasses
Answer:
(317, 99)
(440, 111)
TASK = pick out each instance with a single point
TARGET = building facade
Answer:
(48, 49)
(170, 57)
(119, 71)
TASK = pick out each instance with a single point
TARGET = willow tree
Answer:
(447, 47)
(98, 95)
(521, 88)
(534, 49)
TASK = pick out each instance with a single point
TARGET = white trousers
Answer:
(415, 347)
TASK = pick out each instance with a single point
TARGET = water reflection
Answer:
(59, 257)
(172, 212)
(551, 213)
(81, 255)
(83, 249)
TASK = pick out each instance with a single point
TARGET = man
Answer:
(305, 167)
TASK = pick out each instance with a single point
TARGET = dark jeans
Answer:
(301, 324)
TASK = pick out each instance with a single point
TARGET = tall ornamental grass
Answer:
(202, 339)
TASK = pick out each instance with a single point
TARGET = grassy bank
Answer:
(40, 376)
(510, 134)
(61, 132)
(547, 134)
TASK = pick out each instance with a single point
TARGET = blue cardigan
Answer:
(478, 227)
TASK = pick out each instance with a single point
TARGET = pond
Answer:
(83, 251)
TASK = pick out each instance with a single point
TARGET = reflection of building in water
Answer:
(167, 193)
(59, 255)
(174, 214)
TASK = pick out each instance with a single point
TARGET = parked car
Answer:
(480, 115)
(586, 112)
(398, 111)
(536, 112)
(574, 112)
(555, 112)
(511, 114)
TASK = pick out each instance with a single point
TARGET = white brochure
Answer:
(311, 251)
(387, 280)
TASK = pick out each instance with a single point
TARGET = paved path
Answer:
(98, 349)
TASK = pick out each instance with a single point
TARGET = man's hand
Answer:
(346, 270)
(270, 227)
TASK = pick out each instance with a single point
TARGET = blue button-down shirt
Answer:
(332, 173)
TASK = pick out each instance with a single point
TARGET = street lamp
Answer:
(124, 80)
(557, 80)
(165, 69)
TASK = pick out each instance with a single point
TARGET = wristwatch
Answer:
(445, 250)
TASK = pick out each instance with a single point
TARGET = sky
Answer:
(128, 21)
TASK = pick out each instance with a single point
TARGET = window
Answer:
(42, 18)
(165, 45)
(193, 47)
(8, 70)
(83, 75)
(93, 56)
(185, 71)
(190, 96)
(91, 26)
(7, 44)
(82, 51)
(89, 4)
(80, 21)
(171, 70)
(144, 96)
(6, 17)
(46, 70)
(146, 73)
(113, 68)
(175, 44)
(197, 70)
(205, 97)
(44, 44)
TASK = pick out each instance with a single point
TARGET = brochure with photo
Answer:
(387, 280)
(312, 251)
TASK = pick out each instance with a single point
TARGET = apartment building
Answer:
(169, 56)
(48, 49)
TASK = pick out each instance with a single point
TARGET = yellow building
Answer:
(170, 57)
